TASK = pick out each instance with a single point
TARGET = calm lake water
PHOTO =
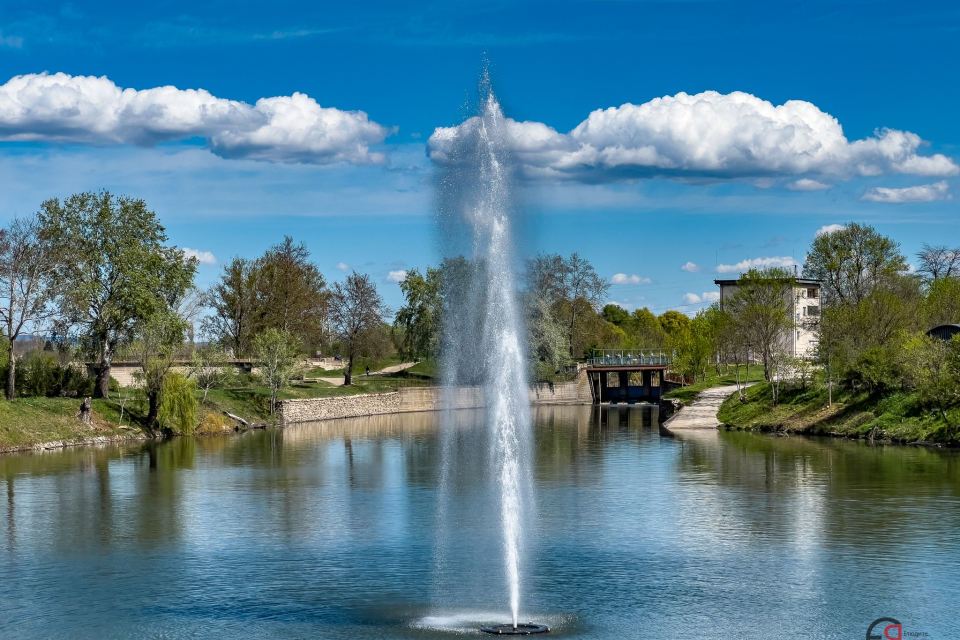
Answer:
(334, 530)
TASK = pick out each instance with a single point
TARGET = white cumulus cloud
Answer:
(922, 193)
(89, 110)
(706, 296)
(690, 267)
(806, 184)
(707, 135)
(343, 266)
(205, 257)
(757, 263)
(622, 278)
(829, 228)
(397, 276)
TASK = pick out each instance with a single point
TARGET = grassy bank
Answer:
(897, 417)
(30, 421)
(688, 394)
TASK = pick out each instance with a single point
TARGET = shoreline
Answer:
(700, 414)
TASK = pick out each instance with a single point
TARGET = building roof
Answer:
(803, 281)
(944, 331)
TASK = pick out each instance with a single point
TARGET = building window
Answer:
(813, 311)
(813, 292)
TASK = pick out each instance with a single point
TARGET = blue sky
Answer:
(659, 188)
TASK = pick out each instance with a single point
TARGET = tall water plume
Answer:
(484, 335)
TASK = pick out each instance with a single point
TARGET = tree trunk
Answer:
(86, 412)
(348, 376)
(11, 373)
(101, 388)
(153, 400)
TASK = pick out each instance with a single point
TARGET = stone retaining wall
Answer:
(419, 399)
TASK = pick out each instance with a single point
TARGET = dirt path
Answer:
(338, 381)
(702, 412)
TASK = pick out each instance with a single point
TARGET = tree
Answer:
(546, 339)
(26, 284)
(276, 353)
(615, 314)
(673, 322)
(178, 406)
(852, 261)
(934, 366)
(114, 271)
(234, 303)
(571, 286)
(420, 318)
(942, 302)
(209, 368)
(938, 262)
(291, 292)
(645, 329)
(156, 338)
(694, 344)
(761, 309)
(356, 309)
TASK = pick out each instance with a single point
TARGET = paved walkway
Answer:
(360, 373)
(702, 412)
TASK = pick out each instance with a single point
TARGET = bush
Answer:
(213, 423)
(39, 374)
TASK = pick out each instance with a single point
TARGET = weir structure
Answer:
(627, 375)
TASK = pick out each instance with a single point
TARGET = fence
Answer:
(629, 357)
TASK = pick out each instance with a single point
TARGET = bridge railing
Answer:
(629, 357)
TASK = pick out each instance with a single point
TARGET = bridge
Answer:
(627, 375)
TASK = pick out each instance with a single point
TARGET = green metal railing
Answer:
(629, 357)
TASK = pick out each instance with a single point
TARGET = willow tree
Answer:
(115, 270)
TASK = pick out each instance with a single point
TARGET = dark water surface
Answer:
(335, 530)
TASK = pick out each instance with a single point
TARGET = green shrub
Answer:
(39, 374)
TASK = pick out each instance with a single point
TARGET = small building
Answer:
(944, 332)
(802, 340)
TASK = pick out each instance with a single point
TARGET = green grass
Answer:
(359, 366)
(27, 421)
(688, 394)
(897, 416)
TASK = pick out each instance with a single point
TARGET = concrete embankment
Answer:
(702, 412)
(420, 399)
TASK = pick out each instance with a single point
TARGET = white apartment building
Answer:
(801, 341)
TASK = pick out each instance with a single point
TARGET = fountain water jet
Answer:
(475, 193)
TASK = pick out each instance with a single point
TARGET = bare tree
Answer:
(210, 368)
(26, 269)
(233, 301)
(761, 312)
(356, 309)
(189, 306)
(569, 285)
(938, 262)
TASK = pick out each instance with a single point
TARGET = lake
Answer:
(341, 530)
